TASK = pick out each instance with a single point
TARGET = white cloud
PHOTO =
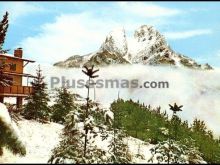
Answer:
(186, 34)
(70, 34)
(19, 9)
(148, 10)
(196, 90)
(82, 33)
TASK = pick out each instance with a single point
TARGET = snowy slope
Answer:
(4, 115)
(11, 126)
(139, 149)
(147, 47)
(39, 140)
(116, 42)
(146, 38)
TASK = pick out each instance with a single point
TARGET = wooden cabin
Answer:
(16, 73)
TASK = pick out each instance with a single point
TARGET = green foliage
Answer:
(118, 149)
(204, 140)
(3, 30)
(139, 121)
(9, 139)
(169, 152)
(148, 124)
(71, 148)
(175, 152)
(99, 115)
(37, 106)
(5, 80)
(64, 104)
(199, 126)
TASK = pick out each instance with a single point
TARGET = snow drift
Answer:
(39, 140)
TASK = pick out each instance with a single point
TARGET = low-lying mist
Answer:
(198, 91)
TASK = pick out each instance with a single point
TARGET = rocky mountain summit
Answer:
(147, 47)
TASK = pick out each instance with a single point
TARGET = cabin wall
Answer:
(17, 80)
(17, 68)
(16, 90)
(18, 63)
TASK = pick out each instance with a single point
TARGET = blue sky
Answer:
(53, 31)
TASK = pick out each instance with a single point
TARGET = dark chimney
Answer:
(18, 52)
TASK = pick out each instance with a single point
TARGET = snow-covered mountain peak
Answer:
(116, 42)
(146, 33)
(143, 32)
(144, 44)
(147, 46)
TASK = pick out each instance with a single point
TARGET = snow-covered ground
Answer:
(139, 149)
(4, 115)
(39, 140)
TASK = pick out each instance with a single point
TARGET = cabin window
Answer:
(13, 67)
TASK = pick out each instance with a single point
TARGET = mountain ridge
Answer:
(147, 47)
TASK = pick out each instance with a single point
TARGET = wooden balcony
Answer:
(14, 91)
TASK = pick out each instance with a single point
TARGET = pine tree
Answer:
(8, 136)
(37, 105)
(175, 108)
(71, 148)
(175, 121)
(90, 73)
(199, 126)
(78, 144)
(175, 152)
(64, 104)
(3, 29)
(117, 147)
(5, 80)
(168, 152)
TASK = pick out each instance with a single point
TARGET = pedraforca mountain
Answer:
(147, 47)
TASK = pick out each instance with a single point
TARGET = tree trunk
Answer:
(86, 116)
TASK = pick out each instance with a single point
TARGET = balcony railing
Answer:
(23, 90)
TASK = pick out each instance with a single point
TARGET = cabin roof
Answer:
(11, 56)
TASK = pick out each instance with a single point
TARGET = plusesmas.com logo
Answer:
(105, 83)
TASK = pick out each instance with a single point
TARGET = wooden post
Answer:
(19, 102)
(1, 99)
